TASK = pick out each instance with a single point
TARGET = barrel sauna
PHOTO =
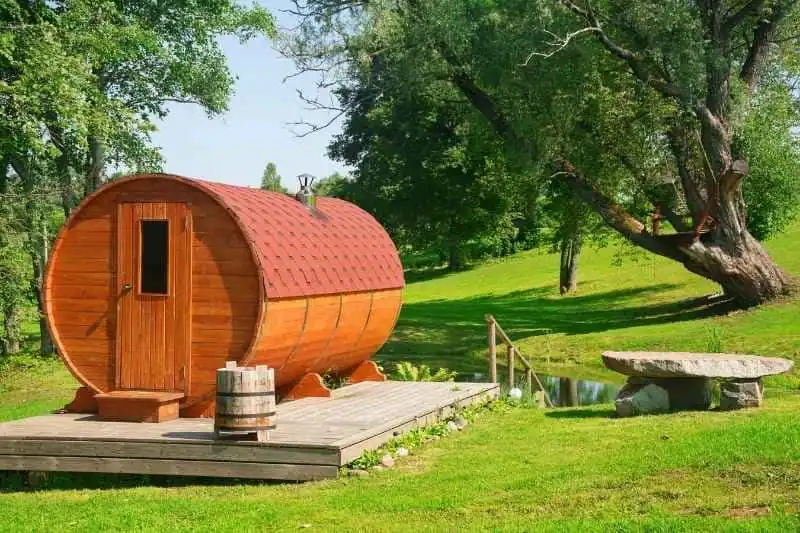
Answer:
(155, 281)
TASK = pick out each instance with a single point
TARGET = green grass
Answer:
(513, 470)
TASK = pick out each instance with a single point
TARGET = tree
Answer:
(336, 185)
(666, 85)
(428, 173)
(271, 180)
(81, 82)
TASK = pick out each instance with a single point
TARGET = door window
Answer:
(153, 256)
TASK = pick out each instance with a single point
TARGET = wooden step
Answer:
(138, 405)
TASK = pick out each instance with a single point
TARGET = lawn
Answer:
(515, 469)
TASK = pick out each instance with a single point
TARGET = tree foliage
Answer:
(425, 168)
(271, 180)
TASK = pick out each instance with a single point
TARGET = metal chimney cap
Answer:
(305, 195)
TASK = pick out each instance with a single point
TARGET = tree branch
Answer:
(614, 215)
(759, 46)
(680, 151)
(750, 8)
(636, 63)
(557, 44)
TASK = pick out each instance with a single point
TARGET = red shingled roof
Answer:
(336, 248)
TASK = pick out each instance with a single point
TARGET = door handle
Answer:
(126, 287)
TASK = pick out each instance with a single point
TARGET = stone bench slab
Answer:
(694, 365)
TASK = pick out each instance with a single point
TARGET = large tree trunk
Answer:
(728, 254)
(11, 339)
(455, 256)
(570, 252)
(96, 167)
(567, 392)
(39, 260)
(731, 256)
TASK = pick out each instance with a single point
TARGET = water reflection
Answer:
(570, 392)
(565, 392)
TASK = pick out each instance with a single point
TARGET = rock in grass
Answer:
(452, 426)
(402, 452)
(738, 394)
(387, 461)
(684, 393)
(641, 400)
(460, 422)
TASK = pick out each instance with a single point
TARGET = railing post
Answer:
(492, 350)
(529, 378)
(510, 367)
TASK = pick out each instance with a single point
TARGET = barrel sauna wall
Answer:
(268, 281)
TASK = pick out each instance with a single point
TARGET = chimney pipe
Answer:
(305, 195)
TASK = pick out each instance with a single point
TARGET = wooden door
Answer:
(154, 284)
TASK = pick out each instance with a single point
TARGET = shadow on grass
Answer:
(11, 481)
(447, 332)
(417, 275)
(581, 413)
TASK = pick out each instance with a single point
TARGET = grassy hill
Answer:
(625, 301)
(516, 469)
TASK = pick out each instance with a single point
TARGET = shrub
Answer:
(405, 371)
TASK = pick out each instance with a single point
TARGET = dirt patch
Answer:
(747, 512)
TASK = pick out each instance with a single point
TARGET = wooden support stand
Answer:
(309, 386)
(367, 371)
(138, 406)
(83, 402)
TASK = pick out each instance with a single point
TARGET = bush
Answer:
(405, 371)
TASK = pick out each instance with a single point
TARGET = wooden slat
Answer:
(85, 265)
(218, 451)
(201, 252)
(169, 467)
(382, 318)
(220, 268)
(81, 292)
(228, 283)
(352, 322)
(320, 326)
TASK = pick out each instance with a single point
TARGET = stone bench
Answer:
(664, 381)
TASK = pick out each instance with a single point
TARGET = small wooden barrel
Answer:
(245, 399)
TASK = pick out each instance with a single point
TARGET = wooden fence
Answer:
(494, 331)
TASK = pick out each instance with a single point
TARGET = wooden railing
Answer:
(513, 353)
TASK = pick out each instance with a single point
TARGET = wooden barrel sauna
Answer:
(156, 280)
(245, 399)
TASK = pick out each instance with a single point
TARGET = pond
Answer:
(569, 392)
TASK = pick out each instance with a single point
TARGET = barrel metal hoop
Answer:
(245, 394)
(245, 428)
(245, 415)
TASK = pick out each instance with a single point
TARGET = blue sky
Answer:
(235, 147)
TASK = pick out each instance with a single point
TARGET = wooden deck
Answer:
(314, 436)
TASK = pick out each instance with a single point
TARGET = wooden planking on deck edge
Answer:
(221, 452)
(169, 467)
(352, 447)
